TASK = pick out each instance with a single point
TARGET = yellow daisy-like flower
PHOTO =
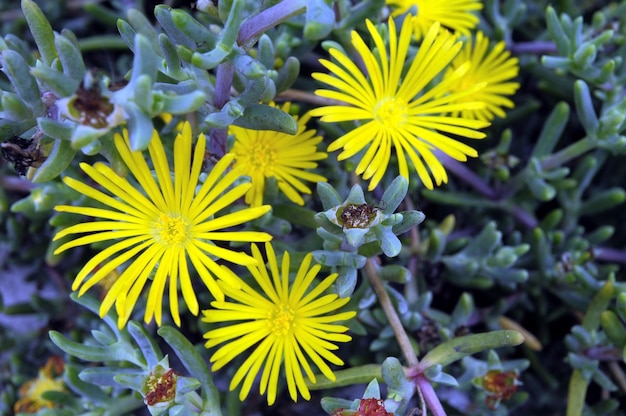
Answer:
(282, 324)
(262, 154)
(455, 15)
(50, 379)
(496, 67)
(403, 110)
(159, 229)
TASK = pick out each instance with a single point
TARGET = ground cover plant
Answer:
(236, 207)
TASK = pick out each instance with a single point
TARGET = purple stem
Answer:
(609, 255)
(460, 170)
(430, 397)
(223, 82)
(536, 48)
(268, 18)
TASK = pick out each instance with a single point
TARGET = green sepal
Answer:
(126, 32)
(116, 352)
(61, 84)
(356, 375)
(460, 347)
(226, 42)
(148, 346)
(108, 376)
(328, 195)
(60, 157)
(435, 375)
(24, 84)
(13, 108)
(265, 117)
(56, 129)
(139, 127)
(71, 58)
(191, 28)
(180, 104)
(85, 389)
(41, 30)
(192, 360)
(142, 25)
(171, 63)
(394, 195)
(163, 15)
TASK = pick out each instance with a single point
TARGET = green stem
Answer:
(103, 42)
(394, 320)
(570, 152)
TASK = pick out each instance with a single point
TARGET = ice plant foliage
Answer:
(50, 379)
(496, 67)
(157, 229)
(262, 154)
(404, 110)
(455, 15)
(283, 324)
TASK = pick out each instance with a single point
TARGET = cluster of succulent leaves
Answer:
(532, 231)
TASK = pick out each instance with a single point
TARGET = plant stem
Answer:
(466, 175)
(252, 28)
(570, 152)
(430, 397)
(403, 339)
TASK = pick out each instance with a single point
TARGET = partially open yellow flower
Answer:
(262, 154)
(458, 16)
(50, 379)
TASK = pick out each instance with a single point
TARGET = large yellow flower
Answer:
(455, 15)
(262, 154)
(404, 110)
(282, 324)
(494, 66)
(156, 231)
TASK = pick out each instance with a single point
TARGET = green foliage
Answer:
(527, 240)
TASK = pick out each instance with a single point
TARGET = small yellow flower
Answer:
(157, 230)
(50, 379)
(281, 325)
(399, 109)
(262, 154)
(455, 15)
(494, 66)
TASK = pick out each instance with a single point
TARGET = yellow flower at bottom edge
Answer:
(262, 154)
(285, 326)
(399, 109)
(494, 66)
(159, 228)
(455, 15)
(50, 379)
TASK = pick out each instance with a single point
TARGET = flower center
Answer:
(282, 320)
(171, 229)
(391, 112)
(262, 155)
